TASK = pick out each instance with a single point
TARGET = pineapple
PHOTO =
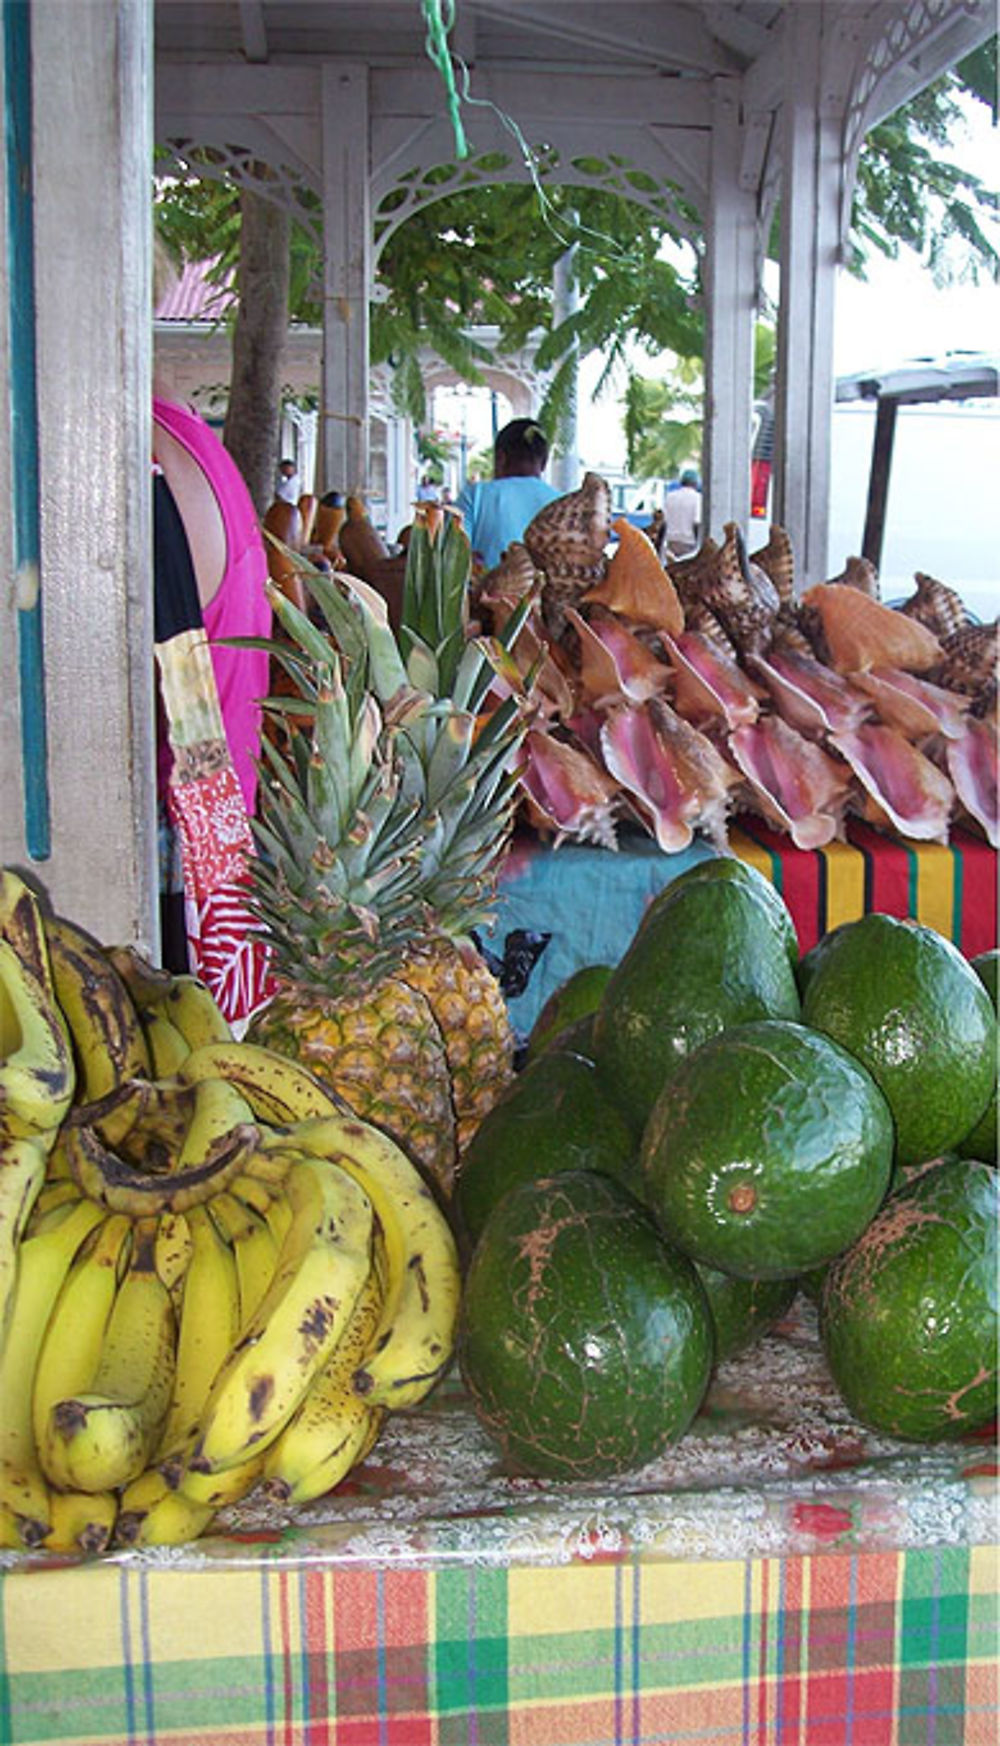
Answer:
(380, 835)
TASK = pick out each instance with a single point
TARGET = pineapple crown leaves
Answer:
(434, 617)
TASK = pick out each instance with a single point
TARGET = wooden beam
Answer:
(253, 30)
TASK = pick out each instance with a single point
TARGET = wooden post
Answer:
(91, 151)
(729, 319)
(810, 206)
(344, 437)
(878, 481)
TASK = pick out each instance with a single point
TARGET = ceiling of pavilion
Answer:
(672, 38)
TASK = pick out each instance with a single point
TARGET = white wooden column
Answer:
(344, 440)
(810, 123)
(729, 320)
(92, 149)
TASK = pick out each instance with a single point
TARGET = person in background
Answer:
(218, 520)
(497, 511)
(427, 491)
(288, 487)
(682, 515)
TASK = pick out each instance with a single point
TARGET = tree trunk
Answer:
(253, 421)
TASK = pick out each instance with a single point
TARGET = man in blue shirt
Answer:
(497, 510)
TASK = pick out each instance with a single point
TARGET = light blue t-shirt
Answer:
(497, 511)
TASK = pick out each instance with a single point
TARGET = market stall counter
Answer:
(779, 1575)
(565, 907)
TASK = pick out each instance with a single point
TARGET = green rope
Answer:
(439, 16)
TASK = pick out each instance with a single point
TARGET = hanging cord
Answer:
(439, 16)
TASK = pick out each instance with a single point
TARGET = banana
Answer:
(37, 1075)
(42, 1264)
(254, 1250)
(319, 1444)
(146, 982)
(153, 1513)
(322, 1266)
(173, 1249)
(81, 1521)
(104, 1026)
(278, 1090)
(22, 1182)
(191, 1007)
(252, 1193)
(146, 1121)
(414, 1341)
(108, 1431)
(279, 1217)
(71, 1350)
(22, 926)
(54, 1199)
(219, 1108)
(214, 1489)
(209, 1323)
(167, 1048)
(121, 1187)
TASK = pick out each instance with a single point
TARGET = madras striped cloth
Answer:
(871, 1649)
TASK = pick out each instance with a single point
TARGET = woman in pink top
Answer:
(230, 567)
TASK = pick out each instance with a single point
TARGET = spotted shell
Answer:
(568, 536)
(970, 659)
(777, 560)
(937, 606)
(741, 595)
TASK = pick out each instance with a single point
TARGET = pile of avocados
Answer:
(704, 1129)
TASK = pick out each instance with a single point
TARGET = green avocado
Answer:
(709, 958)
(584, 1340)
(908, 1316)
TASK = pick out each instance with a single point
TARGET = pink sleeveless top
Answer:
(240, 607)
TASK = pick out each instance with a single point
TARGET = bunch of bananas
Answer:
(213, 1276)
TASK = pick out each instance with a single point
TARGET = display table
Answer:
(563, 908)
(779, 1576)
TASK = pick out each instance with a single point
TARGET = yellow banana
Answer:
(81, 1521)
(252, 1193)
(279, 1217)
(146, 982)
(219, 1108)
(108, 1044)
(71, 1350)
(37, 1075)
(277, 1089)
(50, 1207)
(414, 1340)
(23, 927)
(153, 1513)
(209, 1322)
(191, 1007)
(214, 1489)
(144, 1120)
(322, 1266)
(168, 1049)
(172, 1250)
(319, 1444)
(122, 1187)
(109, 1430)
(42, 1264)
(22, 1181)
(254, 1249)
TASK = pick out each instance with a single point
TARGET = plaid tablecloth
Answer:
(866, 1649)
(780, 1577)
(559, 909)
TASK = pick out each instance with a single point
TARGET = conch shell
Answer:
(793, 782)
(567, 792)
(904, 786)
(635, 584)
(776, 559)
(708, 683)
(614, 664)
(741, 595)
(972, 766)
(676, 778)
(936, 606)
(862, 633)
(566, 539)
